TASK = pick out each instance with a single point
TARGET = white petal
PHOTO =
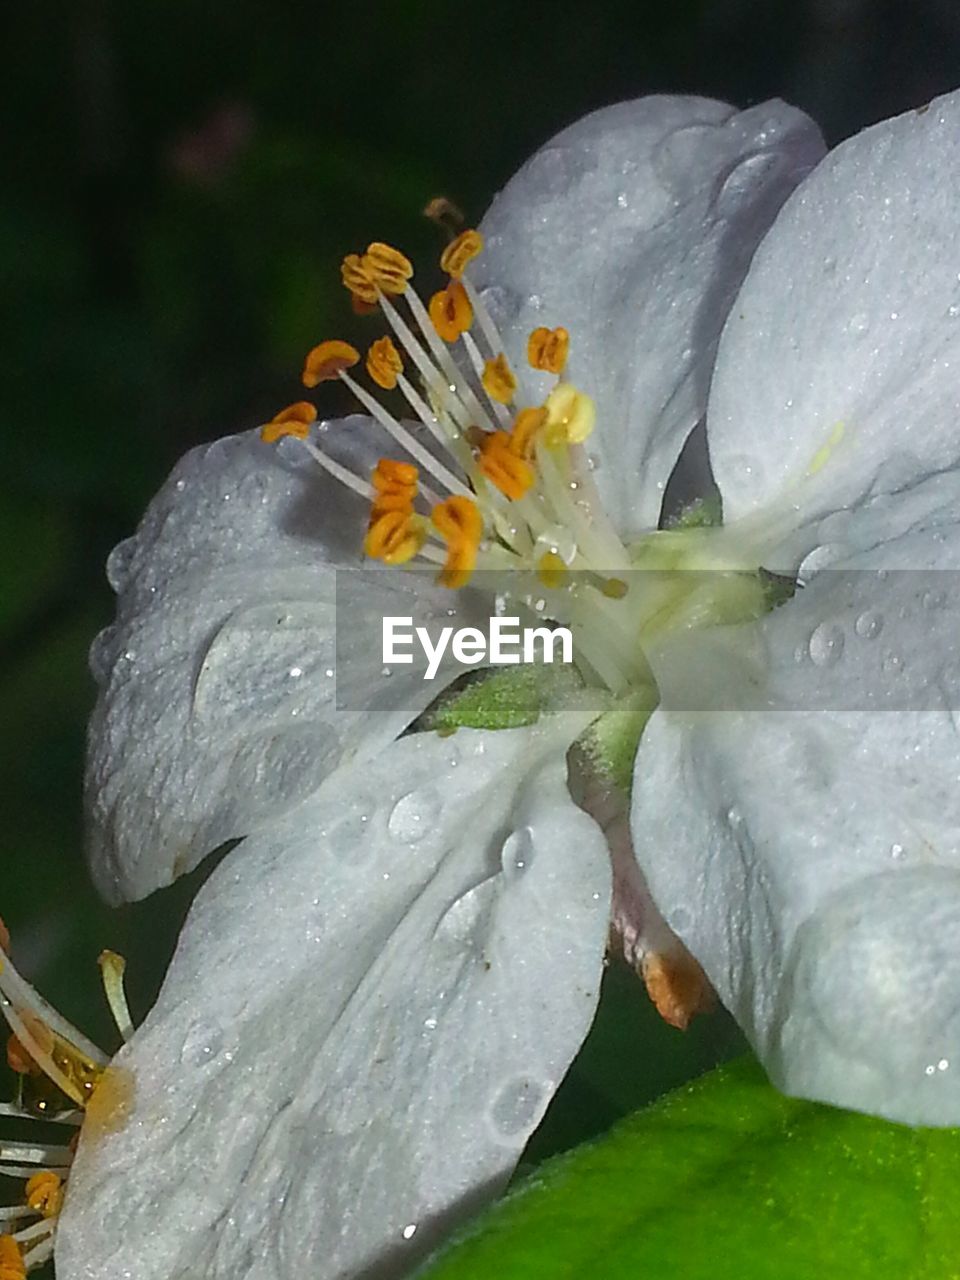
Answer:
(369, 1010)
(633, 229)
(848, 322)
(799, 824)
(219, 700)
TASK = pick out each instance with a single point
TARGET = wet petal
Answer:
(370, 1008)
(220, 704)
(797, 815)
(633, 229)
(837, 370)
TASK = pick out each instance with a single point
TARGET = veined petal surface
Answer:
(371, 1005)
(220, 703)
(633, 229)
(836, 375)
(796, 811)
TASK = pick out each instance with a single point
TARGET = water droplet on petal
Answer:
(869, 625)
(826, 644)
(414, 815)
(201, 1044)
(518, 1106)
(101, 654)
(933, 600)
(897, 851)
(517, 853)
(409, 1231)
(859, 323)
(118, 563)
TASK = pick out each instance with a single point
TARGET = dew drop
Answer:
(118, 563)
(868, 626)
(201, 1044)
(517, 1106)
(897, 851)
(101, 654)
(679, 919)
(826, 644)
(859, 323)
(933, 600)
(414, 815)
(409, 1231)
(517, 853)
(953, 311)
(891, 662)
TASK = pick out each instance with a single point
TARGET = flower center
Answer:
(61, 1078)
(491, 480)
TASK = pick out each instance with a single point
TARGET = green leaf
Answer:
(727, 1177)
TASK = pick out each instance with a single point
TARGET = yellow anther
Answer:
(571, 415)
(395, 536)
(614, 588)
(356, 278)
(445, 214)
(44, 1193)
(384, 364)
(460, 252)
(547, 349)
(387, 267)
(327, 360)
(498, 380)
(551, 570)
(396, 486)
(460, 524)
(450, 311)
(11, 1260)
(526, 427)
(511, 474)
(295, 420)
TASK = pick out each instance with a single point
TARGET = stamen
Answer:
(112, 969)
(445, 214)
(460, 524)
(547, 349)
(388, 269)
(395, 536)
(11, 1260)
(551, 570)
(295, 420)
(45, 1193)
(498, 380)
(460, 252)
(327, 361)
(356, 278)
(450, 311)
(18, 1060)
(383, 363)
(571, 416)
(502, 467)
(526, 428)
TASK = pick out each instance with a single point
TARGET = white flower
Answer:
(379, 989)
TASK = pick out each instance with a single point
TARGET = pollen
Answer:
(450, 311)
(11, 1260)
(295, 420)
(460, 252)
(547, 349)
(571, 415)
(395, 485)
(460, 524)
(327, 361)
(44, 1193)
(511, 473)
(395, 536)
(384, 364)
(498, 380)
(387, 267)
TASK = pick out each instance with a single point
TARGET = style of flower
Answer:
(380, 987)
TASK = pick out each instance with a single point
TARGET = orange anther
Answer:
(387, 267)
(11, 1260)
(44, 1193)
(460, 524)
(327, 360)
(498, 380)
(356, 278)
(395, 536)
(511, 474)
(460, 252)
(450, 311)
(295, 420)
(445, 214)
(384, 364)
(526, 427)
(396, 486)
(19, 1060)
(547, 349)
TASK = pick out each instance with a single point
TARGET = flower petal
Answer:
(633, 229)
(218, 679)
(369, 1010)
(837, 370)
(797, 815)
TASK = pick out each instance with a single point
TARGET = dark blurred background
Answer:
(181, 180)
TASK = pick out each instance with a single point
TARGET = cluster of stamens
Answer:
(491, 480)
(61, 1079)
